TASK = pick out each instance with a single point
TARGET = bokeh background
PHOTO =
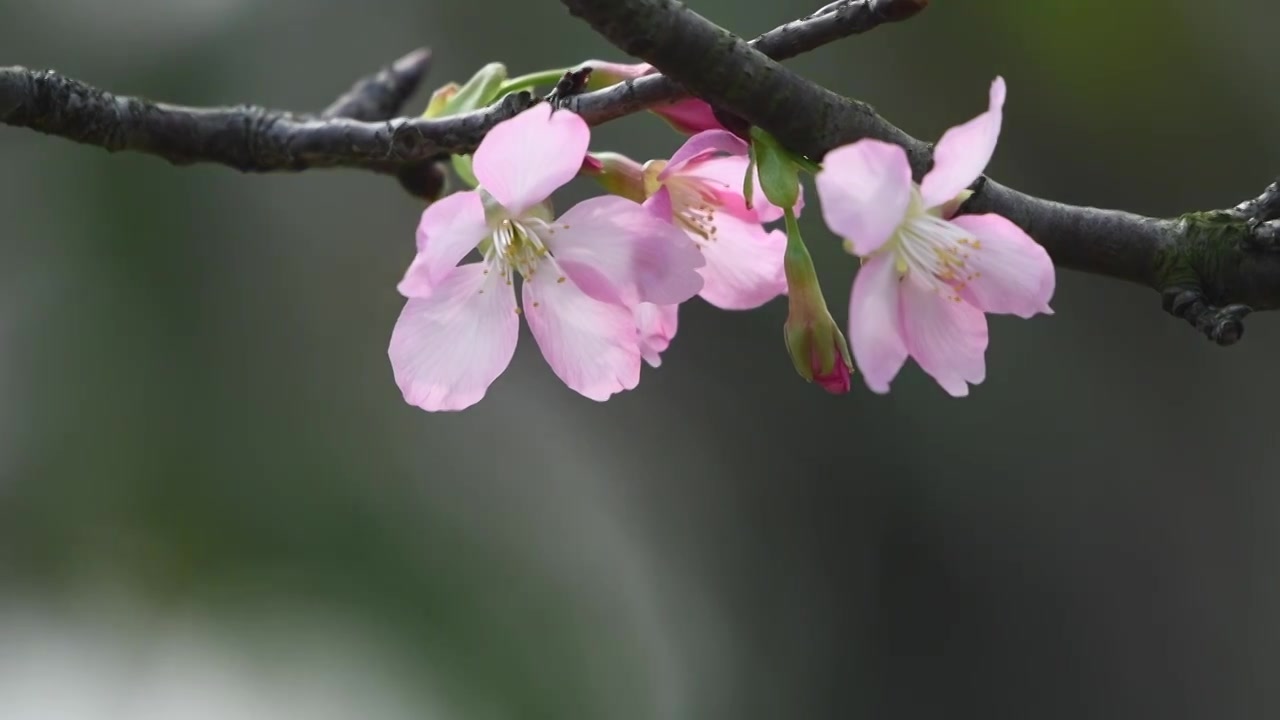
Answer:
(214, 503)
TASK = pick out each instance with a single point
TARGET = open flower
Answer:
(926, 278)
(583, 273)
(700, 190)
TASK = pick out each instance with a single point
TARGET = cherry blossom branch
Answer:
(1212, 268)
(833, 22)
(249, 138)
(355, 131)
(381, 95)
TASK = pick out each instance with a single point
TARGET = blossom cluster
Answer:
(600, 285)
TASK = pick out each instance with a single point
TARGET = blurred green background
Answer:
(214, 503)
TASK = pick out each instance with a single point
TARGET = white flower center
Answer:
(517, 245)
(933, 251)
(693, 205)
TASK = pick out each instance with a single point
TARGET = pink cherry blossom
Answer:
(927, 279)
(700, 190)
(584, 274)
(689, 116)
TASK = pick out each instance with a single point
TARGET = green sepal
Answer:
(462, 166)
(481, 90)
(778, 170)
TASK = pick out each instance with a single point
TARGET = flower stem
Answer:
(532, 80)
(797, 252)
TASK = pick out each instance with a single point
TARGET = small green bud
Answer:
(818, 349)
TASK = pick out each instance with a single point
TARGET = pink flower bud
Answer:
(689, 116)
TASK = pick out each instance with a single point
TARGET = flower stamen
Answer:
(693, 205)
(516, 248)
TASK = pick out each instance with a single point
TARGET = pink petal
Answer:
(604, 74)
(705, 144)
(448, 347)
(865, 189)
(1009, 272)
(964, 151)
(450, 228)
(617, 251)
(945, 335)
(727, 174)
(656, 325)
(744, 264)
(875, 323)
(525, 159)
(659, 205)
(592, 346)
(689, 116)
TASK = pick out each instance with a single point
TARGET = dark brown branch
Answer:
(833, 22)
(1208, 265)
(381, 95)
(1262, 208)
(247, 138)
(254, 139)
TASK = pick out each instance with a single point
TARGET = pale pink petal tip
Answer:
(525, 159)
(947, 337)
(997, 93)
(744, 267)
(865, 190)
(655, 326)
(963, 152)
(450, 228)
(1008, 271)
(701, 146)
(875, 323)
(447, 348)
(590, 345)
